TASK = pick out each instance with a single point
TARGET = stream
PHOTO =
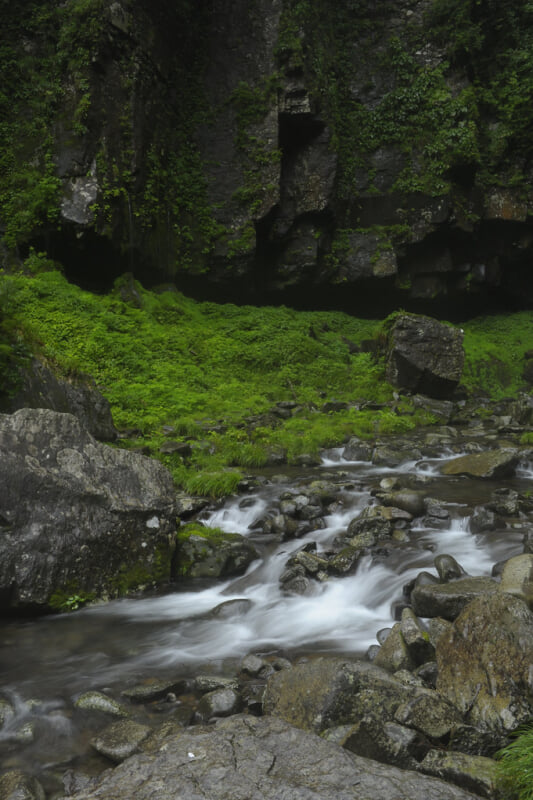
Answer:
(48, 662)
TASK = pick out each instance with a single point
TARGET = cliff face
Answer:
(354, 153)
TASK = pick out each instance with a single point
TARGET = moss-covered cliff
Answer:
(350, 153)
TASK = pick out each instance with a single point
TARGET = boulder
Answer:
(517, 578)
(484, 663)
(447, 600)
(120, 740)
(40, 388)
(491, 465)
(17, 785)
(79, 519)
(475, 773)
(328, 692)
(249, 758)
(424, 355)
(211, 553)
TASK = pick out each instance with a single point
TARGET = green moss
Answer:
(70, 599)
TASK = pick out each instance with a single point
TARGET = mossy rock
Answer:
(212, 553)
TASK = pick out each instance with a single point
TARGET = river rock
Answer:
(249, 758)
(120, 740)
(328, 692)
(491, 464)
(80, 519)
(447, 600)
(517, 578)
(390, 743)
(97, 701)
(17, 785)
(220, 703)
(206, 553)
(474, 773)
(424, 355)
(485, 662)
(429, 714)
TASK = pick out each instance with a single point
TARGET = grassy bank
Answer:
(213, 375)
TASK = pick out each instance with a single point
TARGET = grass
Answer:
(515, 767)
(214, 373)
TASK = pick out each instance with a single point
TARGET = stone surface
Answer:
(447, 600)
(484, 663)
(120, 740)
(327, 692)
(424, 355)
(213, 555)
(474, 773)
(492, 464)
(16, 785)
(245, 758)
(79, 518)
(40, 388)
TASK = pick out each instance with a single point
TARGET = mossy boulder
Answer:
(491, 465)
(212, 553)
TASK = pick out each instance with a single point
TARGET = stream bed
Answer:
(46, 663)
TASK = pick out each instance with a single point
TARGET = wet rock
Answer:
(413, 502)
(428, 672)
(442, 410)
(448, 599)
(252, 664)
(155, 690)
(368, 529)
(357, 450)
(7, 712)
(261, 758)
(220, 703)
(120, 740)
(394, 654)
(474, 773)
(517, 578)
(424, 355)
(187, 505)
(210, 683)
(345, 561)
(437, 627)
(231, 608)
(212, 554)
(485, 662)
(505, 502)
(96, 701)
(390, 743)
(482, 520)
(104, 523)
(448, 568)
(294, 581)
(490, 465)
(429, 714)
(392, 454)
(17, 785)
(416, 638)
(327, 692)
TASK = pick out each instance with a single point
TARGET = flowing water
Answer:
(45, 663)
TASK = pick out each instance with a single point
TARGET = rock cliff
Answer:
(350, 154)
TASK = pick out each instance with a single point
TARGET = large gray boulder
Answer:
(484, 663)
(424, 355)
(78, 519)
(490, 465)
(246, 758)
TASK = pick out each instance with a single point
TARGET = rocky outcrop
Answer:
(347, 160)
(78, 519)
(245, 757)
(212, 553)
(424, 355)
(40, 388)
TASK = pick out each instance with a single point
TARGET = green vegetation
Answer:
(515, 767)
(216, 373)
(495, 348)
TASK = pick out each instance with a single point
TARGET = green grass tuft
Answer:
(515, 767)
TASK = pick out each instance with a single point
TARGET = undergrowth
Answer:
(214, 374)
(515, 767)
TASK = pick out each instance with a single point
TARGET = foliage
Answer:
(495, 348)
(515, 767)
